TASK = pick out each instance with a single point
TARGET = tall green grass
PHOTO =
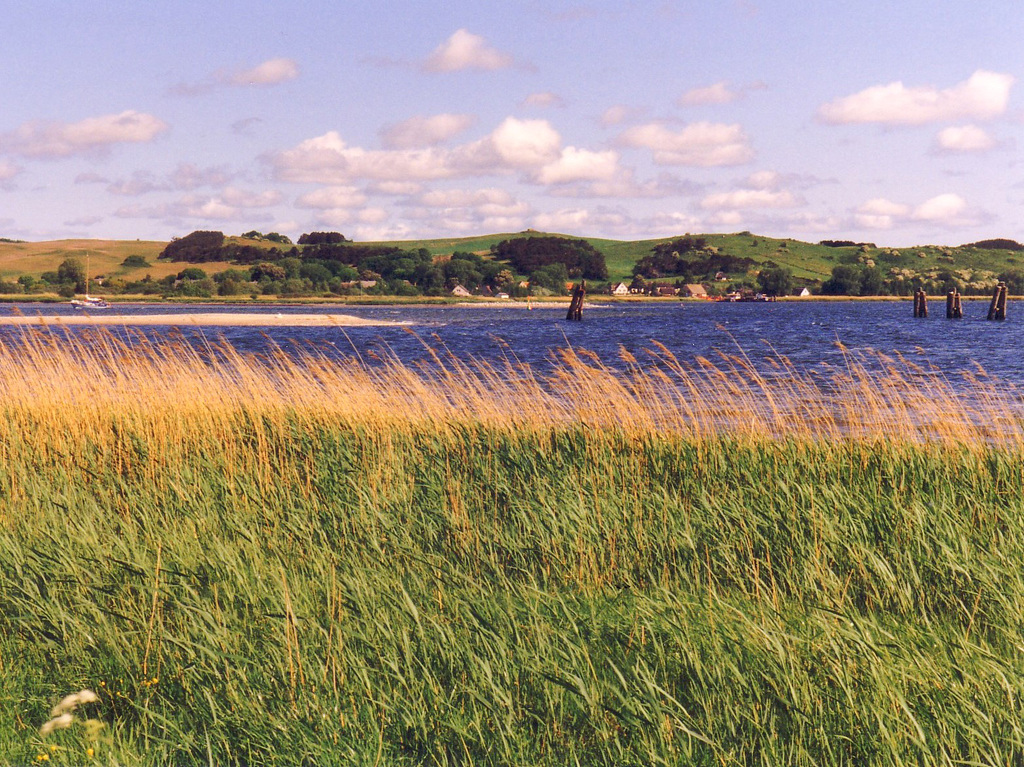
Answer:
(304, 561)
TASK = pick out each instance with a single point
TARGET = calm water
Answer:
(807, 333)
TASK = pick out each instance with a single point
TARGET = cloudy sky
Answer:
(894, 122)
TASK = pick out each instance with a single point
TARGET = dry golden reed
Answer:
(176, 389)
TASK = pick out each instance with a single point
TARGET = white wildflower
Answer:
(61, 722)
(72, 701)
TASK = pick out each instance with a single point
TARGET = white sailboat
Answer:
(87, 301)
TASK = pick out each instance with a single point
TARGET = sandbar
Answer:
(198, 319)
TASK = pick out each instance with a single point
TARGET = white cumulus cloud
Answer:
(880, 213)
(188, 176)
(60, 139)
(395, 188)
(984, 95)
(943, 208)
(530, 148)
(948, 210)
(616, 115)
(964, 138)
(232, 204)
(764, 179)
(372, 215)
(418, 132)
(271, 72)
(464, 50)
(701, 144)
(580, 165)
(243, 198)
(466, 198)
(141, 182)
(740, 199)
(8, 170)
(575, 220)
(327, 159)
(525, 143)
(466, 210)
(332, 197)
(543, 100)
(719, 93)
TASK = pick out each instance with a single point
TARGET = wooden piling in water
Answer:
(997, 308)
(576, 303)
(920, 303)
(953, 309)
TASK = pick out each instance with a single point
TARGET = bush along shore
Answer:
(302, 561)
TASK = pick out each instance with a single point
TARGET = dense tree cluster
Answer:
(689, 258)
(997, 244)
(322, 238)
(195, 247)
(329, 263)
(205, 246)
(680, 246)
(1014, 280)
(853, 280)
(280, 239)
(846, 244)
(528, 255)
(775, 281)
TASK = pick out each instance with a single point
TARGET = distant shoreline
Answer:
(222, 319)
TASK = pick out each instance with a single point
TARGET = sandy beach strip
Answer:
(198, 319)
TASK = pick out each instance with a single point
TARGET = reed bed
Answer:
(295, 559)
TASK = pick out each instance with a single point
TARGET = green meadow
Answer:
(809, 263)
(295, 560)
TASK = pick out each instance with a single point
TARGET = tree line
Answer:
(330, 262)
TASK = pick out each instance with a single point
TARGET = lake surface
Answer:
(805, 332)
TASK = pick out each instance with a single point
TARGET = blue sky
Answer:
(895, 123)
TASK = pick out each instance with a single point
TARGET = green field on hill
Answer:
(970, 268)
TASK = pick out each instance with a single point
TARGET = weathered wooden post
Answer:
(997, 308)
(953, 308)
(920, 303)
(576, 303)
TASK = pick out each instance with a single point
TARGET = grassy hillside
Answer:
(809, 262)
(104, 257)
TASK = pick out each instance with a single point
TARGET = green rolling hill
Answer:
(973, 268)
